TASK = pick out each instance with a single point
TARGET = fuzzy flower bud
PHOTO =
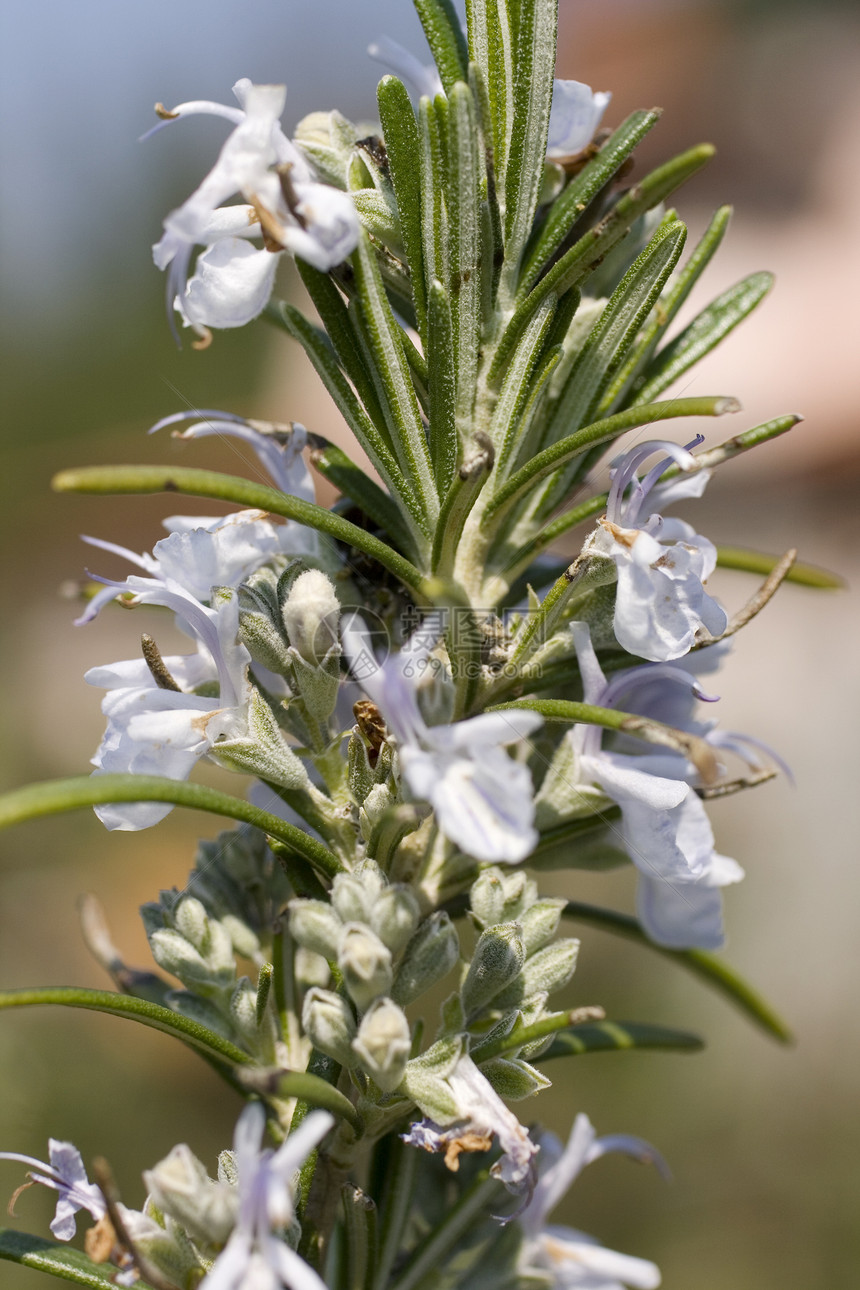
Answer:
(395, 916)
(179, 1186)
(383, 1044)
(311, 616)
(328, 1022)
(365, 963)
(430, 955)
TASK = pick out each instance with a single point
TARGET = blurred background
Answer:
(763, 1141)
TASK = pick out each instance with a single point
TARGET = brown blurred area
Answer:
(763, 1141)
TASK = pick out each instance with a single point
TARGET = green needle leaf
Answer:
(445, 38)
(403, 145)
(577, 263)
(58, 1260)
(58, 795)
(806, 575)
(704, 333)
(713, 970)
(231, 488)
(602, 432)
(653, 732)
(567, 209)
(124, 1005)
(611, 1036)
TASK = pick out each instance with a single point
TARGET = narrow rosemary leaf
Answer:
(667, 307)
(551, 532)
(400, 131)
(603, 432)
(531, 417)
(705, 332)
(693, 747)
(149, 1014)
(533, 87)
(505, 426)
(418, 367)
(433, 214)
(613, 1036)
(374, 441)
(334, 464)
(492, 249)
(444, 441)
(575, 265)
(58, 1261)
(445, 38)
(455, 510)
(581, 191)
(805, 575)
(231, 488)
(332, 309)
(616, 329)
(712, 969)
(463, 200)
(386, 344)
(491, 47)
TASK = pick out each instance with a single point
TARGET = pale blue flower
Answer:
(661, 605)
(575, 115)
(664, 826)
(571, 1258)
(286, 205)
(67, 1176)
(255, 1256)
(483, 800)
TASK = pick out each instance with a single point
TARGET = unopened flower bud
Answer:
(243, 1009)
(497, 961)
(179, 1186)
(487, 897)
(394, 916)
(365, 963)
(540, 921)
(311, 616)
(429, 955)
(329, 1024)
(179, 957)
(191, 921)
(349, 898)
(383, 1044)
(315, 925)
(547, 970)
(166, 1247)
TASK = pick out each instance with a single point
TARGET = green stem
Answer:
(573, 445)
(708, 967)
(400, 1183)
(207, 1041)
(232, 488)
(427, 1259)
(56, 796)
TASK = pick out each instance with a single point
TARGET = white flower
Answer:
(482, 1116)
(255, 1257)
(278, 448)
(286, 206)
(157, 727)
(664, 826)
(483, 800)
(571, 1258)
(660, 603)
(575, 115)
(67, 1176)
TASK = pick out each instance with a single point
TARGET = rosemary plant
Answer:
(435, 707)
